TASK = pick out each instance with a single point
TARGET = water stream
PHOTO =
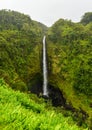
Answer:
(45, 79)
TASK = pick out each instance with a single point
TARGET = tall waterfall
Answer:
(45, 80)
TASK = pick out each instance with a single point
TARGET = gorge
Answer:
(61, 71)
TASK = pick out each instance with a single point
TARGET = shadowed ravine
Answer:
(43, 88)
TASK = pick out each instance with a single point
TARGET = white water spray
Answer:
(45, 80)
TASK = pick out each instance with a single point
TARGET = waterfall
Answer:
(45, 80)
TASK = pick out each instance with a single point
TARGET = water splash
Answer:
(45, 80)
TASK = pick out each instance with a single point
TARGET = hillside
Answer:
(20, 49)
(21, 111)
(69, 58)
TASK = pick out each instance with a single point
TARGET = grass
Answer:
(78, 101)
(20, 111)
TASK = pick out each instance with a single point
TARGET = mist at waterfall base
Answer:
(45, 71)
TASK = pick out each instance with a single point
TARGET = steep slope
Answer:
(20, 49)
(70, 61)
(22, 111)
(69, 48)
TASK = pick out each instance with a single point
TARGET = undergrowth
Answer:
(20, 111)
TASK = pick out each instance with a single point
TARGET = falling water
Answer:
(45, 80)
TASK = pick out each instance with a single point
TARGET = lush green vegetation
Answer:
(21, 111)
(20, 49)
(69, 61)
(87, 18)
(72, 53)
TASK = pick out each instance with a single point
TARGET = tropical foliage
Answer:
(72, 53)
(21, 111)
(20, 48)
(87, 18)
(70, 63)
(69, 47)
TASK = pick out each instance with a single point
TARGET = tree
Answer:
(87, 18)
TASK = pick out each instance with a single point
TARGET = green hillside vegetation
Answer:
(22, 111)
(86, 18)
(72, 53)
(69, 51)
(20, 49)
(70, 63)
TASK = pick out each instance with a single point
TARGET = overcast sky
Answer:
(49, 11)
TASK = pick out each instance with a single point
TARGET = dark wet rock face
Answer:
(37, 90)
(36, 85)
(56, 96)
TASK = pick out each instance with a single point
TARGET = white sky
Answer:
(49, 11)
